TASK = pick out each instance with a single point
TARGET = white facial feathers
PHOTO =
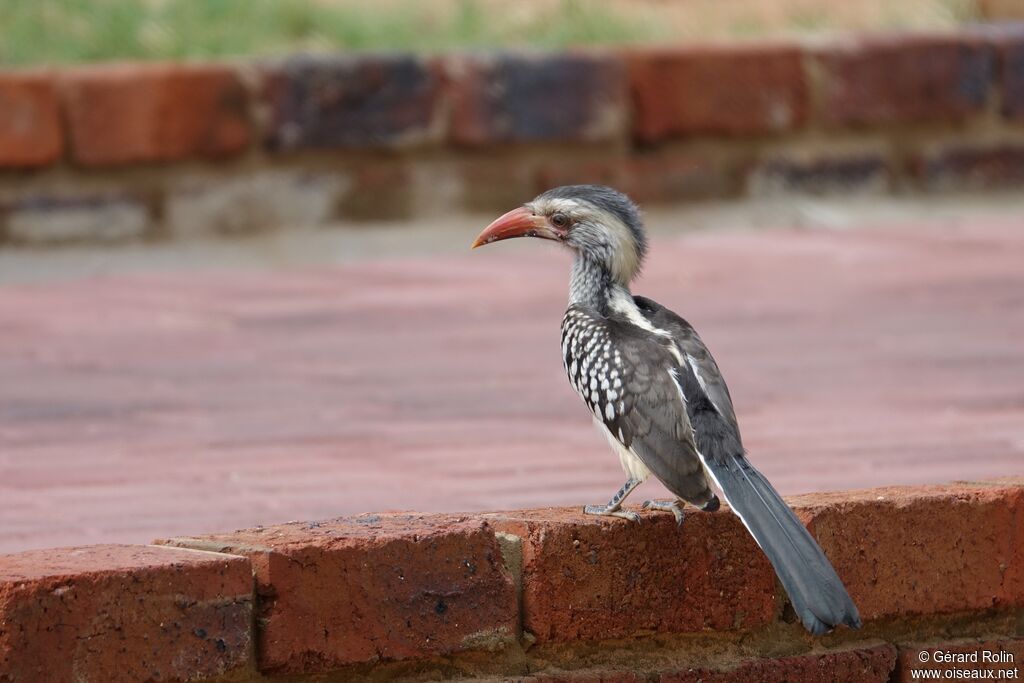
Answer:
(597, 233)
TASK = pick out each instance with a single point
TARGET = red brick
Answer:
(30, 133)
(360, 102)
(911, 657)
(855, 666)
(552, 98)
(128, 114)
(1013, 577)
(374, 587)
(586, 578)
(116, 612)
(904, 79)
(717, 90)
(927, 550)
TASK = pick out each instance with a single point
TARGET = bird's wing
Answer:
(695, 354)
(649, 416)
(814, 588)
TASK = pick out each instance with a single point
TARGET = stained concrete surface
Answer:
(154, 390)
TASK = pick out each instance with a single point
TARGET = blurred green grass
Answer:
(62, 31)
(67, 31)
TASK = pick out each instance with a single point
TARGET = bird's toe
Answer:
(666, 506)
(609, 511)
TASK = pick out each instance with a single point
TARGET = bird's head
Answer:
(598, 223)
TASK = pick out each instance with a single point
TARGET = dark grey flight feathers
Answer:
(652, 384)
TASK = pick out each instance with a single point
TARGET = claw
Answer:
(609, 511)
(666, 506)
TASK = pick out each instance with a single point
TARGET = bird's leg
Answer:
(666, 506)
(614, 506)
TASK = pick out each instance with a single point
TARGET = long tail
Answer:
(814, 589)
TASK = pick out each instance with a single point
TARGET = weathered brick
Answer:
(352, 102)
(647, 177)
(916, 551)
(30, 132)
(588, 676)
(820, 174)
(986, 656)
(904, 79)
(672, 177)
(863, 665)
(473, 185)
(76, 217)
(251, 202)
(494, 184)
(119, 613)
(964, 167)
(609, 170)
(379, 190)
(1009, 45)
(374, 587)
(727, 91)
(586, 578)
(130, 113)
(852, 666)
(536, 98)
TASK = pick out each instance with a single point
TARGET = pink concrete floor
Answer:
(138, 406)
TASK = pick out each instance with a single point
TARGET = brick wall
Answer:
(536, 595)
(115, 152)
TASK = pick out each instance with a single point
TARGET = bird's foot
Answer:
(666, 506)
(611, 511)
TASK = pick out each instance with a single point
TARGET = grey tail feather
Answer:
(815, 590)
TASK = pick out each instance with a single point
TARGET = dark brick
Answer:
(550, 98)
(1009, 45)
(30, 132)
(972, 168)
(123, 613)
(904, 79)
(132, 113)
(586, 578)
(374, 587)
(874, 664)
(352, 102)
(820, 174)
(719, 91)
(76, 216)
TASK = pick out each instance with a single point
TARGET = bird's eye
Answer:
(559, 220)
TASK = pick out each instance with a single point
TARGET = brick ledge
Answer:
(508, 594)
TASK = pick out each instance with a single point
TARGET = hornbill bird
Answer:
(658, 395)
